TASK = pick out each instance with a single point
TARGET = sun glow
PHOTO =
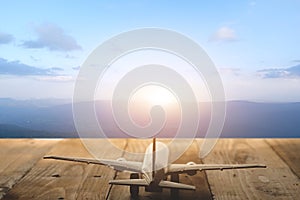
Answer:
(155, 95)
(147, 97)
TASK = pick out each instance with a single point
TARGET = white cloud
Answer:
(52, 37)
(22, 87)
(6, 38)
(18, 68)
(224, 34)
(60, 78)
(251, 87)
(291, 72)
(76, 68)
(230, 71)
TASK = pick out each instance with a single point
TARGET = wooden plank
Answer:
(288, 150)
(122, 192)
(276, 181)
(199, 180)
(33, 178)
(17, 158)
(51, 179)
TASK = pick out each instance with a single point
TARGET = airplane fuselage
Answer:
(155, 165)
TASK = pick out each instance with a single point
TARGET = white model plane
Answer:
(153, 171)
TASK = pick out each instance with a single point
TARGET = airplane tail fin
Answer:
(153, 156)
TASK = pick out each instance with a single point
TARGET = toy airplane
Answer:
(153, 171)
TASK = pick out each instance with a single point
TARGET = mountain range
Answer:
(53, 118)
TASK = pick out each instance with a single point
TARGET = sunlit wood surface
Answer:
(25, 175)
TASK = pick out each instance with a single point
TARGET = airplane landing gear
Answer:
(134, 190)
(175, 192)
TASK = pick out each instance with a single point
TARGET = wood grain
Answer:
(25, 175)
(199, 180)
(122, 192)
(65, 180)
(275, 182)
(17, 157)
(288, 150)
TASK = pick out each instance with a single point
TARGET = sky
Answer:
(254, 44)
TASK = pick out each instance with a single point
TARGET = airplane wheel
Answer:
(175, 192)
(134, 190)
(175, 178)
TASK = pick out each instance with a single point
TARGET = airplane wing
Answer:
(119, 165)
(137, 182)
(169, 184)
(143, 182)
(184, 168)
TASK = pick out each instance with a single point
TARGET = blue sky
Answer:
(254, 44)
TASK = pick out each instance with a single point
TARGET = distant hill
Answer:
(50, 118)
(36, 118)
(33, 102)
(248, 119)
(14, 131)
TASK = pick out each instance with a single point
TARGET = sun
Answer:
(147, 97)
(156, 95)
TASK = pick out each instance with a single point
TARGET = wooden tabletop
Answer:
(25, 175)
